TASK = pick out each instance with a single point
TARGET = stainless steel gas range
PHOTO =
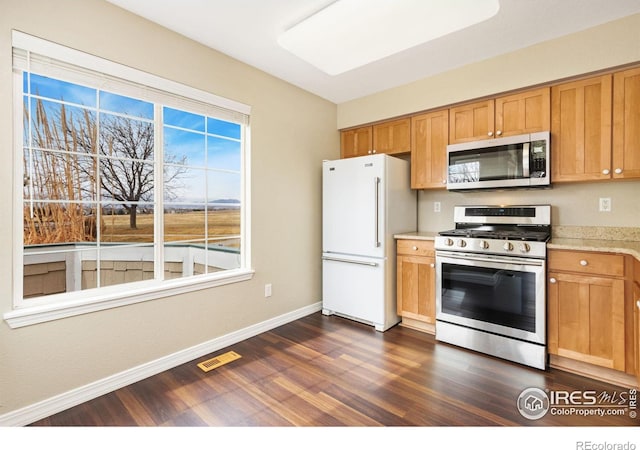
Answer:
(491, 281)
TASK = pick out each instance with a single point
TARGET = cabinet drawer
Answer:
(586, 262)
(415, 247)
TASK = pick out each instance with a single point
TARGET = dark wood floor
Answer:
(329, 371)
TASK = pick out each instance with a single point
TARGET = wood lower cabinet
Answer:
(429, 139)
(416, 284)
(586, 307)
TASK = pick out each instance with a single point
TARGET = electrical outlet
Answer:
(267, 290)
(436, 206)
(605, 204)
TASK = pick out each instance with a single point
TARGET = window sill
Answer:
(32, 315)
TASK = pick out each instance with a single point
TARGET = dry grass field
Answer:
(177, 226)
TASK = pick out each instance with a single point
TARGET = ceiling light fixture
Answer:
(351, 33)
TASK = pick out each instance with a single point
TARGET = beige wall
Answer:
(41, 361)
(571, 204)
(609, 45)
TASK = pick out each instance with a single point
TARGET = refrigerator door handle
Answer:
(350, 261)
(376, 182)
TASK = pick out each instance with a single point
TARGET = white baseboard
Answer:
(58, 403)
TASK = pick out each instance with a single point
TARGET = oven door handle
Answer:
(490, 258)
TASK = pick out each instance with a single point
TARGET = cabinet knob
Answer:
(444, 181)
(584, 262)
(433, 265)
(618, 171)
(552, 280)
(605, 172)
(369, 152)
(499, 132)
(415, 247)
(490, 133)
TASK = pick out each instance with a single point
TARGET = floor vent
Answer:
(218, 361)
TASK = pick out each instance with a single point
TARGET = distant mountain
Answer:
(225, 200)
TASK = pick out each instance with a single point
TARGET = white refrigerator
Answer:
(365, 201)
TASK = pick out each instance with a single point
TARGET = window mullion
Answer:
(158, 193)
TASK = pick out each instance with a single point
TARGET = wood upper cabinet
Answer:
(471, 122)
(392, 137)
(356, 142)
(581, 130)
(586, 307)
(626, 124)
(524, 112)
(416, 283)
(636, 328)
(429, 139)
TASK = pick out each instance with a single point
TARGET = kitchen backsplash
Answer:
(574, 206)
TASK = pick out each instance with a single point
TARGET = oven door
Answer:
(500, 295)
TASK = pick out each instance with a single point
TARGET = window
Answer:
(132, 186)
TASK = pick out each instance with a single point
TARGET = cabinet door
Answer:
(586, 319)
(429, 139)
(471, 122)
(356, 142)
(416, 288)
(626, 124)
(392, 137)
(524, 112)
(581, 130)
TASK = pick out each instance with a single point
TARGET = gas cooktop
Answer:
(502, 230)
(498, 233)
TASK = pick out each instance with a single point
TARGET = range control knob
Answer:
(484, 245)
(524, 247)
(448, 242)
(462, 243)
(508, 246)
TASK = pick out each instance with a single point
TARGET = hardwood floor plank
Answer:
(329, 371)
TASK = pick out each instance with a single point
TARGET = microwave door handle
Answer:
(525, 160)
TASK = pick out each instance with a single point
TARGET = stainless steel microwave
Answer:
(510, 162)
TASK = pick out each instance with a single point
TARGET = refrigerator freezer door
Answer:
(357, 288)
(353, 205)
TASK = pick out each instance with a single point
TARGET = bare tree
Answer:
(126, 147)
(120, 151)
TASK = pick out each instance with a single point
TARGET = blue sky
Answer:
(211, 146)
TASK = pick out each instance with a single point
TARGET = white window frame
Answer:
(142, 84)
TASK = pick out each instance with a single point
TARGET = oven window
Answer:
(496, 296)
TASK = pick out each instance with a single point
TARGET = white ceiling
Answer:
(247, 30)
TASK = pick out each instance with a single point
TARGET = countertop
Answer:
(596, 245)
(419, 235)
